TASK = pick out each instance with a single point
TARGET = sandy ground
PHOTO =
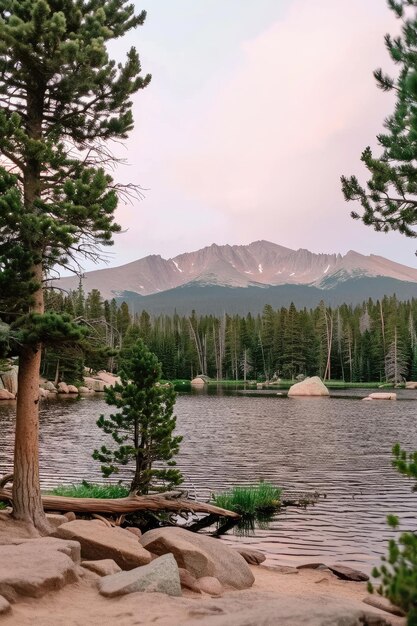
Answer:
(81, 605)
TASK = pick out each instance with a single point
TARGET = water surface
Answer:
(338, 446)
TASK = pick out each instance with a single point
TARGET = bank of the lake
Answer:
(338, 446)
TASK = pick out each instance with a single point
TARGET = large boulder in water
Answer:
(9, 379)
(200, 555)
(309, 387)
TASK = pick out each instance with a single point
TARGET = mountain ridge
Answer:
(258, 264)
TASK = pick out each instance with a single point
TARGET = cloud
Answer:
(266, 149)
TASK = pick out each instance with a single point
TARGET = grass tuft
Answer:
(251, 500)
(90, 490)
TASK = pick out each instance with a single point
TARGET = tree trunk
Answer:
(27, 502)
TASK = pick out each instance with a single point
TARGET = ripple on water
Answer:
(338, 447)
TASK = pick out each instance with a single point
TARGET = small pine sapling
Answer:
(144, 426)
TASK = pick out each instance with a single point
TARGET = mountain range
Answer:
(239, 279)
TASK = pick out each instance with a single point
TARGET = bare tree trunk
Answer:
(27, 502)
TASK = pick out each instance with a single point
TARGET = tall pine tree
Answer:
(62, 99)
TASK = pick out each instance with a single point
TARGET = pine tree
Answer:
(389, 200)
(61, 99)
(144, 426)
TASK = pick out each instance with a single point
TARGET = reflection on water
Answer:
(338, 446)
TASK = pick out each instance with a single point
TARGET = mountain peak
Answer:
(261, 263)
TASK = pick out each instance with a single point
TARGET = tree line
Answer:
(374, 341)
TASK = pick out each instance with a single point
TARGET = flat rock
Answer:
(4, 606)
(309, 387)
(200, 555)
(135, 531)
(159, 576)
(312, 566)
(36, 566)
(383, 604)
(382, 396)
(347, 573)
(210, 585)
(56, 520)
(105, 567)
(251, 556)
(262, 609)
(101, 542)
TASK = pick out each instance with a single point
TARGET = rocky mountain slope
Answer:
(259, 264)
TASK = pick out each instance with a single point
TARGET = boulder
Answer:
(4, 606)
(198, 382)
(200, 555)
(109, 379)
(94, 384)
(102, 542)
(9, 379)
(62, 388)
(159, 576)
(49, 386)
(56, 520)
(188, 581)
(6, 395)
(309, 387)
(43, 393)
(411, 384)
(72, 389)
(348, 573)
(105, 567)
(85, 390)
(37, 566)
(382, 396)
(135, 531)
(210, 585)
(251, 556)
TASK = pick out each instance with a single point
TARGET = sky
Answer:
(254, 111)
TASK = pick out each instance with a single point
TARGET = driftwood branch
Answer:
(130, 504)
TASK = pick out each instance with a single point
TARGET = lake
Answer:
(338, 446)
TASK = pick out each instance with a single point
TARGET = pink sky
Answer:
(249, 123)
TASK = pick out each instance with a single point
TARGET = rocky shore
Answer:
(94, 574)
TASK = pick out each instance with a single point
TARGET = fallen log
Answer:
(131, 504)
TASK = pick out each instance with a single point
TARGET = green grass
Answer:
(251, 500)
(89, 490)
(3, 505)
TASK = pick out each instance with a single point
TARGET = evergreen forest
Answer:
(375, 341)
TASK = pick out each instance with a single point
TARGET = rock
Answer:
(9, 379)
(94, 384)
(85, 390)
(62, 388)
(43, 393)
(411, 384)
(367, 398)
(312, 566)
(383, 604)
(198, 382)
(135, 531)
(309, 387)
(101, 542)
(347, 573)
(56, 520)
(37, 566)
(49, 386)
(251, 556)
(109, 379)
(200, 555)
(4, 606)
(105, 567)
(281, 569)
(72, 389)
(266, 609)
(187, 580)
(70, 516)
(6, 395)
(210, 585)
(382, 396)
(159, 576)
